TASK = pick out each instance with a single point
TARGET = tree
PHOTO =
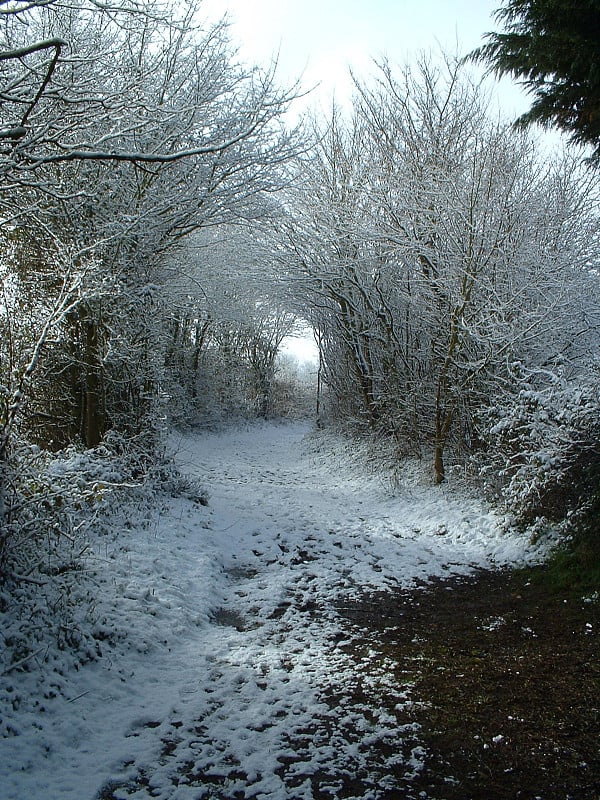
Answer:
(124, 128)
(553, 47)
(143, 129)
(228, 322)
(436, 251)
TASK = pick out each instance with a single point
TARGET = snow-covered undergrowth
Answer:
(541, 457)
(217, 646)
(48, 594)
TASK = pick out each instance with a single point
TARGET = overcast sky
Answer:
(318, 39)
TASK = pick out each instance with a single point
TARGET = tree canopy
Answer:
(553, 47)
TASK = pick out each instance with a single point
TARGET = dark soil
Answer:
(506, 675)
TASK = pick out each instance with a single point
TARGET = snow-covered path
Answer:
(227, 674)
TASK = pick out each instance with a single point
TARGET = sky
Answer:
(317, 40)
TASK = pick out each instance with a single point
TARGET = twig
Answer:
(222, 530)
(83, 694)
(22, 661)
(26, 579)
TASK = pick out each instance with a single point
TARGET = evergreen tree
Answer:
(553, 47)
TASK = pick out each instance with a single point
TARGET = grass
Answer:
(575, 565)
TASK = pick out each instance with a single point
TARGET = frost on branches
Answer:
(432, 248)
(541, 454)
(123, 131)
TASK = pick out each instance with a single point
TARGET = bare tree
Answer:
(141, 130)
(230, 322)
(124, 128)
(438, 249)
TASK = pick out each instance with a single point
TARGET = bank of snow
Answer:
(219, 636)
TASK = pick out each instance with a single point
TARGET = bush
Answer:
(50, 498)
(540, 452)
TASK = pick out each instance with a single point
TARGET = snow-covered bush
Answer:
(540, 452)
(173, 482)
(50, 501)
(57, 510)
(51, 498)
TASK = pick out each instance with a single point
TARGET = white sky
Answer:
(316, 40)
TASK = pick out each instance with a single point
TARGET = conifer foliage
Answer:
(553, 47)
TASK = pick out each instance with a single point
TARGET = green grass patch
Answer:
(574, 567)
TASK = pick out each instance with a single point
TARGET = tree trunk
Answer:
(319, 383)
(94, 406)
(442, 426)
(438, 463)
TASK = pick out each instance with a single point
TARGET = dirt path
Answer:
(271, 646)
(308, 687)
(492, 684)
(508, 675)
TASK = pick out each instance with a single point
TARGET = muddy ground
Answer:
(506, 675)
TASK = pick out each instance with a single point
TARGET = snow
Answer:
(220, 636)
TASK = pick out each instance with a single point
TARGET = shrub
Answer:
(540, 453)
